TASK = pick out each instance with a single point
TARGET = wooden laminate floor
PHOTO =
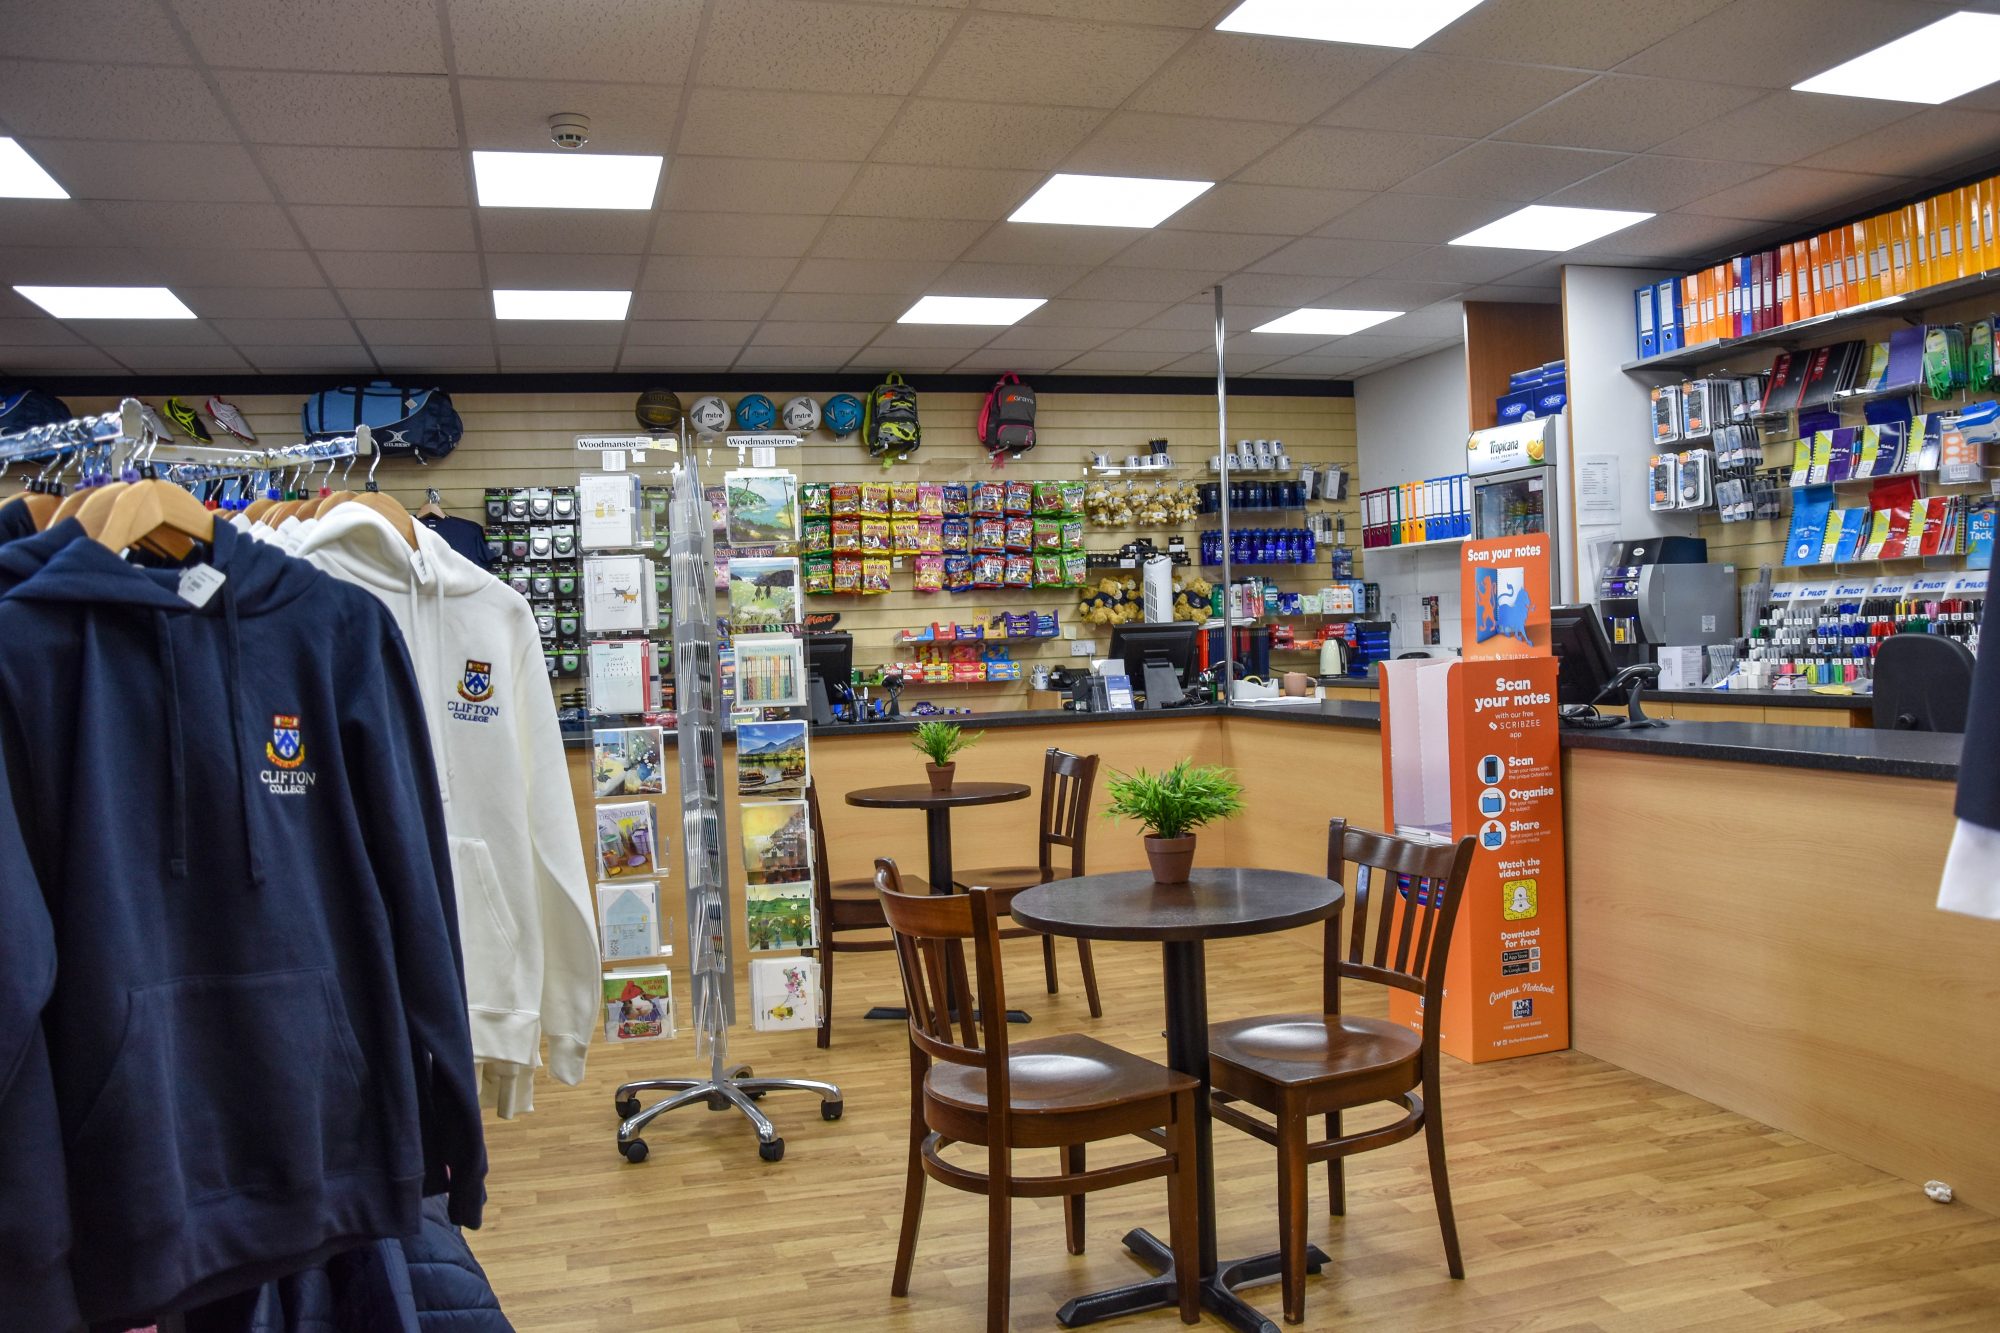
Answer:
(1588, 1198)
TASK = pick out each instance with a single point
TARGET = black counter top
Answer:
(1031, 717)
(1858, 703)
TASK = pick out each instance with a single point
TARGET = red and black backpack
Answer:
(1007, 418)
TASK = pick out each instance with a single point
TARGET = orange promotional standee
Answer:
(1470, 749)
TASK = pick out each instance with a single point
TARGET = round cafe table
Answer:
(937, 808)
(1213, 904)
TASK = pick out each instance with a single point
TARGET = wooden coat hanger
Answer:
(97, 505)
(160, 516)
(433, 506)
(390, 508)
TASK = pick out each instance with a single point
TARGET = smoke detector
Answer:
(569, 129)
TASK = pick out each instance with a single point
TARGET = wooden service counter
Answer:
(1751, 904)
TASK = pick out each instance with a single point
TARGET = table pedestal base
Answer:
(1218, 1295)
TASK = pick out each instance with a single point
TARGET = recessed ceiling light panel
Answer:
(21, 177)
(1326, 322)
(1934, 64)
(970, 309)
(108, 302)
(566, 180)
(1546, 227)
(1108, 201)
(1401, 23)
(514, 303)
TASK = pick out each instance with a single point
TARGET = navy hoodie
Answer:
(256, 1041)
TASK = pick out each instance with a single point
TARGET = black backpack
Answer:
(889, 419)
(1007, 419)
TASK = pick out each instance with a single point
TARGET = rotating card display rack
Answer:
(705, 855)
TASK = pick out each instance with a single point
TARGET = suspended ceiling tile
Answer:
(1811, 36)
(744, 185)
(473, 332)
(191, 226)
(1783, 127)
(1582, 34)
(688, 332)
(1142, 284)
(22, 360)
(207, 173)
(52, 222)
(36, 330)
(1457, 263)
(1431, 94)
(101, 101)
(1272, 210)
(1043, 243)
(1315, 365)
(1199, 315)
(1140, 143)
(1043, 61)
(1063, 312)
(804, 45)
(343, 110)
(1196, 250)
(1654, 184)
(715, 273)
(543, 333)
(1325, 257)
(1795, 193)
(1203, 363)
(1935, 139)
(231, 268)
(934, 131)
(743, 235)
(1623, 113)
(404, 270)
(114, 31)
(1178, 342)
(1669, 235)
(1402, 216)
(873, 277)
(394, 36)
(464, 360)
(762, 357)
(1286, 290)
(1544, 295)
(260, 302)
(850, 334)
(412, 176)
(977, 279)
(1333, 158)
(1511, 171)
(990, 360)
(288, 332)
(885, 190)
(1276, 346)
(345, 227)
(564, 272)
(564, 230)
(525, 360)
(608, 40)
(1446, 319)
(1052, 338)
(1101, 362)
(934, 239)
(1167, 13)
(147, 332)
(676, 360)
(730, 122)
(181, 360)
(921, 338)
(513, 114)
(1260, 78)
(810, 307)
(698, 305)
(903, 360)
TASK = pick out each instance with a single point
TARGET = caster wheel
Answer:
(755, 1096)
(774, 1151)
(635, 1151)
(831, 1110)
(627, 1108)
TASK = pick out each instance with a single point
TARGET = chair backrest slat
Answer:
(1067, 783)
(931, 931)
(1414, 890)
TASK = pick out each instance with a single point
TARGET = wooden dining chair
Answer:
(841, 906)
(1067, 783)
(1295, 1066)
(967, 1085)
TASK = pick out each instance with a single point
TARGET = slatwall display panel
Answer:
(529, 439)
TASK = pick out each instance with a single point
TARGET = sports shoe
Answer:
(230, 419)
(156, 423)
(187, 419)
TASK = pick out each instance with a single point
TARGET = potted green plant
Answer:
(1171, 806)
(940, 743)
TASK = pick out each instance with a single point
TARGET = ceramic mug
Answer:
(1296, 684)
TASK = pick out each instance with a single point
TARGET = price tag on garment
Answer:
(614, 460)
(420, 565)
(199, 582)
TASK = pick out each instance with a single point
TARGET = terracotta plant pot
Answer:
(1171, 858)
(940, 775)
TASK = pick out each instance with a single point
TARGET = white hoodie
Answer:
(525, 916)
